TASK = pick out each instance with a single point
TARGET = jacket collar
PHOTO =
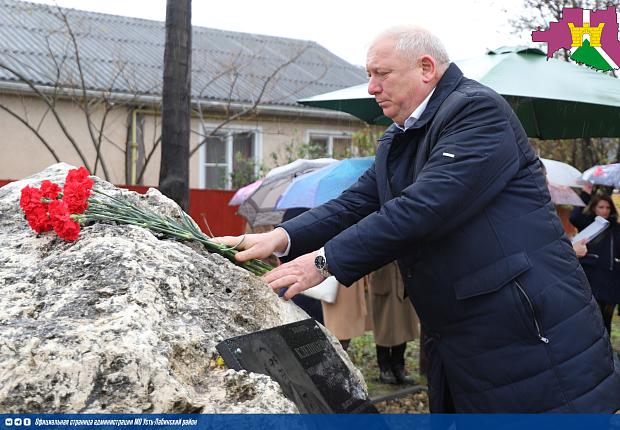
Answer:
(446, 85)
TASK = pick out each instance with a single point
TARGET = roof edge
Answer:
(17, 88)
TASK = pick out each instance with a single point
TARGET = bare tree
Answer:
(65, 86)
(250, 108)
(228, 111)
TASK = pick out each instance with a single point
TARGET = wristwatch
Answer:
(320, 262)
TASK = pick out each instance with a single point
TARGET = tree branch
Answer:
(148, 158)
(43, 97)
(31, 128)
(84, 104)
(256, 101)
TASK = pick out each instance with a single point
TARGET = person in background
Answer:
(601, 262)
(346, 317)
(580, 248)
(394, 323)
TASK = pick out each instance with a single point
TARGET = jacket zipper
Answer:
(529, 302)
(611, 253)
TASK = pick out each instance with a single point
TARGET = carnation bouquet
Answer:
(64, 210)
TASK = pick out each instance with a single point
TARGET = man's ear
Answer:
(429, 68)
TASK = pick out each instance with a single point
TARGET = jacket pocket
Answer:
(492, 277)
(529, 304)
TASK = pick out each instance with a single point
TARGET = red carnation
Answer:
(38, 219)
(60, 217)
(34, 209)
(78, 186)
(50, 190)
(30, 197)
(78, 175)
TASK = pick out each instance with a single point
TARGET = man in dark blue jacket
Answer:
(457, 196)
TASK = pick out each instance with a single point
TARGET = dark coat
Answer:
(495, 282)
(602, 262)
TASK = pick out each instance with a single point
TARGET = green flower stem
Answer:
(114, 209)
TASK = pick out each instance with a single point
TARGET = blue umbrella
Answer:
(315, 188)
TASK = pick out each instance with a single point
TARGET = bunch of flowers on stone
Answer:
(51, 208)
(64, 210)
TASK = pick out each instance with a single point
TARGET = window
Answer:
(319, 146)
(326, 144)
(341, 147)
(215, 165)
(227, 152)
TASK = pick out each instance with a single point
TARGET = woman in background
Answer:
(394, 323)
(601, 263)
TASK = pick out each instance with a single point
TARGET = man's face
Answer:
(395, 82)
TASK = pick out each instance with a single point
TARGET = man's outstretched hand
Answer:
(260, 245)
(297, 275)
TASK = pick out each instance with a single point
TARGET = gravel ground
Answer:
(412, 404)
(363, 355)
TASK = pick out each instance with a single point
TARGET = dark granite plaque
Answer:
(305, 364)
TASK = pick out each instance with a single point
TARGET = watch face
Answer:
(319, 262)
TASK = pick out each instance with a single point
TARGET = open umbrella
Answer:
(244, 192)
(259, 208)
(608, 175)
(564, 195)
(315, 188)
(560, 173)
(553, 99)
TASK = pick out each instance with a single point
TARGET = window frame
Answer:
(330, 135)
(229, 131)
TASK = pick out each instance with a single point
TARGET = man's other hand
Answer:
(298, 275)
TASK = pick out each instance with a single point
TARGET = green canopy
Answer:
(553, 99)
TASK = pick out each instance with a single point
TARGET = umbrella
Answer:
(259, 208)
(315, 188)
(553, 99)
(608, 175)
(561, 173)
(244, 192)
(564, 195)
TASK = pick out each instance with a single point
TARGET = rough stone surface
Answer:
(122, 321)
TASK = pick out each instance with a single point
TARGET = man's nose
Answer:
(373, 87)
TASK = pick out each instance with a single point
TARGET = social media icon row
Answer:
(17, 422)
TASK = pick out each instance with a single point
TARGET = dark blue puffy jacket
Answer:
(497, 286)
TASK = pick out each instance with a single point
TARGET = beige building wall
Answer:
(22, 154)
